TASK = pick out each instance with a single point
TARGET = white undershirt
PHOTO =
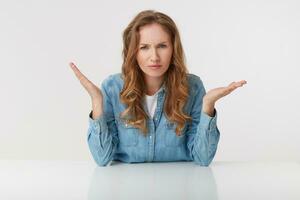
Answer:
(151, 103)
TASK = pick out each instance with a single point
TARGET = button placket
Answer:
(151, 142)
(97, 127)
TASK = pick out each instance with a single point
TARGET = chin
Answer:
(156, 74)
(152, 73)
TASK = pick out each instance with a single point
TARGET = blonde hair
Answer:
(176, 83)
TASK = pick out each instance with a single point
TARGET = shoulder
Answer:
(112, 78)
(112, 82)
(195, 83)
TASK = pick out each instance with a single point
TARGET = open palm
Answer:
(215, 94)
(90, 87)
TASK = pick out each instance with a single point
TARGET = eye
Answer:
(162, 45)
(144, 47)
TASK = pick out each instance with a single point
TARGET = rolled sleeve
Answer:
(207, 122)
(203, 134)
(98, 124)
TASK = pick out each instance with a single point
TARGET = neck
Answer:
(153, 84)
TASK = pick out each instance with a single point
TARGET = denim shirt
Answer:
(109, 138)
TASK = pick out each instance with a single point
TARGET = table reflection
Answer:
(172, 180)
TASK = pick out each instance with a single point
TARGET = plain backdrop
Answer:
(44, 109)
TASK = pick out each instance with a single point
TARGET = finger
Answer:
(77, 72)
(237, 84)
(241, 83)
(85, 82)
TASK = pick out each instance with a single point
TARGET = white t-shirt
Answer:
(151, 102)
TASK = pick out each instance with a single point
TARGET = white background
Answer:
(44, 109)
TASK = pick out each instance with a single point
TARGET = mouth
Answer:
(154, 66)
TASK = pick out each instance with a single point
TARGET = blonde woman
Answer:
(154, 110)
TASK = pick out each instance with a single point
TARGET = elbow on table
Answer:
(203, 163)
(101, 162)
(100, 157)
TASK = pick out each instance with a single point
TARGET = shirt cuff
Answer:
(207, 122)
(98, 124)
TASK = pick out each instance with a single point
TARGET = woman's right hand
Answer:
(94, 92)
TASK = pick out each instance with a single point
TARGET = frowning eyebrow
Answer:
(158, 44)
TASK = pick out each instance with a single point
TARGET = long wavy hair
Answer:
(175, 78)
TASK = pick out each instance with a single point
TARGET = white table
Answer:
(174, 180)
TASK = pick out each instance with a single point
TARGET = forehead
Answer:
(153, 34)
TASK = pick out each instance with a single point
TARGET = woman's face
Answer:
(155, 48)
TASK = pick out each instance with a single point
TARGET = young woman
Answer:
(154, 110)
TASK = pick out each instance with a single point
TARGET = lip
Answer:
(154, 66)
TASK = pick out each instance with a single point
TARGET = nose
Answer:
(154, 56)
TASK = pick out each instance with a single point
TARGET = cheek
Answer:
(167, 55)
(141, 58)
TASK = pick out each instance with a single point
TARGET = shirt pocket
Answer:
(128, 134)
(171, 139)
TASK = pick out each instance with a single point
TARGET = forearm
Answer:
(101, 148)
(204, 145)
(100, 140)
(97, 109)
(205, 142)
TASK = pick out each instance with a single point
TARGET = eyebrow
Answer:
(158, 43)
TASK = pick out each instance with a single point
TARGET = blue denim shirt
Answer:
(109, 138)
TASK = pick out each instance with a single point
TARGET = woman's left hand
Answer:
(215, 94)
